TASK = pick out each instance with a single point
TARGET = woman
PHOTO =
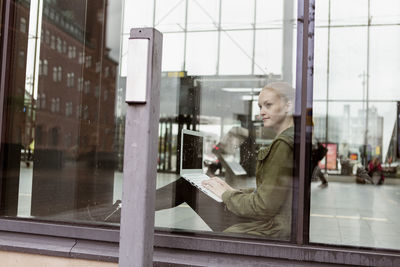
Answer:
(266, 210)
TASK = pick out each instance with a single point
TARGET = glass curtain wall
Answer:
(356, 117)
(62, 145)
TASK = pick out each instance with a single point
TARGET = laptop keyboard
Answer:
(196, 179)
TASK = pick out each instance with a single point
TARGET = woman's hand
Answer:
(217, 186)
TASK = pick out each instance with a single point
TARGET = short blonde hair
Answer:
(283, 89)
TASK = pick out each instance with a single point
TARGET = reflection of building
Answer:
(349, 131)
(73, 120)
(76, 83)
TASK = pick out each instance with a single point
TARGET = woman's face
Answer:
(273, 109)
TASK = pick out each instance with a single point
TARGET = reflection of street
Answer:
(344, 213)
(356, 215)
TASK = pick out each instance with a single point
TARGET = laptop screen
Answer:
(192, 151)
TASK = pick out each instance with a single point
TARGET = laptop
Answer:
(234, 166)
(192, 161)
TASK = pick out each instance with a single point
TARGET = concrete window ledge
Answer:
(59, 246)
(181, 250)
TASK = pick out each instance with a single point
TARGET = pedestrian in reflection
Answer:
(375, 168)
(318, 152)
(358, 170)
(265, 210)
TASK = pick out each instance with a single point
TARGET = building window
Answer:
(64, 49)
(22, 25)
(87, 87)
(59, 45)
(47, 37)
(73, 55)
(80, 84)
(21, 59)
(78, 111)
(97, 91)
(53, 105)
(70, 79)
(42, 100)
(57, 104)
(40, 67)
(71, 51)
(55, 71)
(59, 74)
(45, 67)
(68, 109)
(98, 66)
(85, 112)
(53, 42)
(88, 61)
(81, 58)
(106, 72)
(42, 35)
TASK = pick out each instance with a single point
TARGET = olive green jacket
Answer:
(269, 206)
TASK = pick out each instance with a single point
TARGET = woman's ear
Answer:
(289, 107)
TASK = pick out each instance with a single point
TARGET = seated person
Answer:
(375, 167)
(265, 210)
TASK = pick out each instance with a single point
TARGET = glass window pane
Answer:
(349, 12)
(268, 52)
(384, 63)
(203, 15)
(238, 43)
(322, 13)
(237, 14)
(215, 94)
(201, 53)
(348, 63)
(170, 15)
(61, 141)
(269, 13)
(320, 65)
(358, 124)
(385, 11)
(172, 61)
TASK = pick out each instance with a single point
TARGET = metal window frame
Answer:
(74, 236)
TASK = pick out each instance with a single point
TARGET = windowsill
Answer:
(190, 249)
(59, 246)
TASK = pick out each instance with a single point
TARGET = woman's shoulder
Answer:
(280, 142)
(286, 136)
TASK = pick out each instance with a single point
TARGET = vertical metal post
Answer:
(367, 88)
(219, 36)
(185, 36)
(303, 117)
(140, 157)
(287, 32)
(328, 55)
(253, 53)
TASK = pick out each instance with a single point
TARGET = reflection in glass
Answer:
(60, 144)
(355, 117)
(214, 67)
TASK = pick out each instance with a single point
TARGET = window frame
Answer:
(26, 229)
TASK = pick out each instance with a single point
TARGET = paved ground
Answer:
(344, 213)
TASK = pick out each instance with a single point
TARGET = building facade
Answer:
(63, 85)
